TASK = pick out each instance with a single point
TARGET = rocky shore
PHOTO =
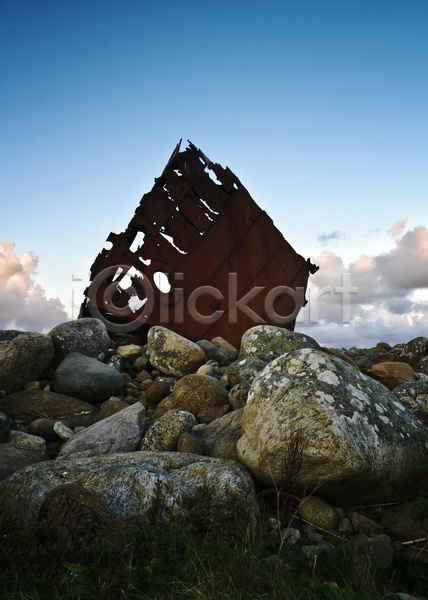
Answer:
(123, 429)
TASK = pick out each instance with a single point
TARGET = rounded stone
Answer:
(87, 336)
(194, 392)
(86, 378)
(62, 431)
(23, 358)
(244, 368)
(173, 354)
(29, 406)
(230, 351)
(318, 513)
(157, 391)
(130, 352)
(75, 519)
(415, 394)
(392, 374)
(238, 395)
(164, 434)
(26, 439)
(191, 444)
(214, 352)
(44, 428)
(364, 524)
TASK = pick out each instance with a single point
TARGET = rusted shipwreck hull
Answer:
(228, 266)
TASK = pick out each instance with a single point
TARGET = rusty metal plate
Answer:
(225, 266)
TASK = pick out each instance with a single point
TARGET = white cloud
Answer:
(391, 303)
(23, 303)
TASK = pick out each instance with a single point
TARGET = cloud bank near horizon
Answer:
(23, 302)
(389, 301)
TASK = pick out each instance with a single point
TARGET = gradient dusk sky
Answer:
(318, 106)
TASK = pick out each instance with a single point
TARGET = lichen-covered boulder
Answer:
(163, 435)
(137, 485)
(24, 356)
(415, 393)
(86, 336)
(421, 366)
(121, 432)
(267, 342)
(362, 443)
(195, 392)
(173, 354)
(415, 350)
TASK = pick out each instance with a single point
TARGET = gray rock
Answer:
(230, 351)
(62, 431)
(122, 432)
(4, 428)
(23, 357)
(44, 428)
(246, 368)
(26, 439)
(415, 394)
(173, 354)
(364, 524)
(30, 405)
(220, 436)
(137, 485)
(401, 522)
(86, 378)
(379, 550)
(365, 445)
(318, 513)
(163, 435)
(213, 352)
(238, 395)
(14, 457)
(268, 342)
(86, 336)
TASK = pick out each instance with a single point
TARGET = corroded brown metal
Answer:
(201, 228)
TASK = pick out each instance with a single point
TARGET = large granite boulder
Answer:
(173, 354)
(86, 378)
(121, 432)
(136, 485)
(360, 444)
(267, 342)
(24, 356)
(87, 336)
(30, 405)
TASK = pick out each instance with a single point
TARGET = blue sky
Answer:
(319, 107)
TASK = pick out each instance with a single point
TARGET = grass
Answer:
(209, 561)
